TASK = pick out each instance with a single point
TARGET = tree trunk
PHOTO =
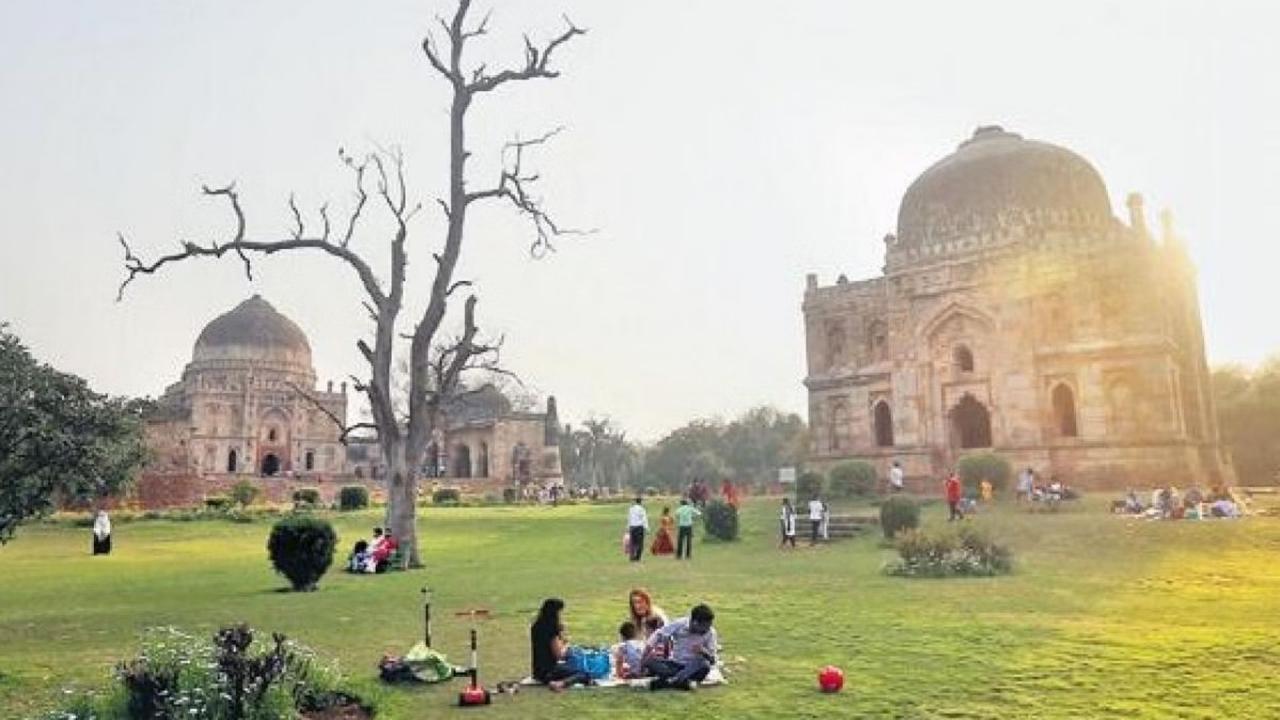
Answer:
(402, 504)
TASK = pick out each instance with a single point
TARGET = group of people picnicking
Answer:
(681, 521)
(373, 556)
(664, 654)
(1168, 503)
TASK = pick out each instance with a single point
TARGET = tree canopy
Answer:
(748, 449)
(59, 440)
(1248, 403)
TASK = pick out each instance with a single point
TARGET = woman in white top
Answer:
(787, 520)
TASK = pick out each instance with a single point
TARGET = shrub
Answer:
(217, 503)
(950, 553)
(509, 495)
(898, 514)
(243, 493)
(651, 491)
(973, 469)
(353, 497)
(855, 478)
(446, 496)
(301, 549)
(721, 520)
(809, 485)
(306, 497)
(235, 676)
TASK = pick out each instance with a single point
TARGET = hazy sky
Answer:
(722, 148)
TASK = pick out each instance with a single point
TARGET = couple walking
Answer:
(638, 525)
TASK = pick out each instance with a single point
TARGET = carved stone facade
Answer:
(247, 405)
(1016, 313)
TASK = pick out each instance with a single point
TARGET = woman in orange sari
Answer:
(663, 544)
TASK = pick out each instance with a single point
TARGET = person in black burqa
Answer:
(549, 647)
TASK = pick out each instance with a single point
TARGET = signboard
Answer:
(786, 475)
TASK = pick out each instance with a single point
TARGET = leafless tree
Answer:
(435, 362)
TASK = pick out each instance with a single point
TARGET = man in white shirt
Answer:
(816, 510)
(637, 524)
(895, 478)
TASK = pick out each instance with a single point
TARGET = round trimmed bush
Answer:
(898, 514)
(446, 496)
(301, 549)
(306, 497)
(509, 495)
(353, 497)
(975, 468)
(809, 485)
(855, 478)
(721, 520)
(243, 493)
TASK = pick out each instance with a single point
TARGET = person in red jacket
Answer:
(952, 487)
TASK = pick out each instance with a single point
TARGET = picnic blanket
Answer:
(715, 677)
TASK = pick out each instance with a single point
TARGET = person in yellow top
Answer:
(987, 490)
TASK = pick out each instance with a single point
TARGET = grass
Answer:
(1102, 618)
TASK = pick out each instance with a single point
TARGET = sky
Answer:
(719, 149)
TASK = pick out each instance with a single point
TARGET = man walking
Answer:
(637, 524)
(817, 509)
(685, 515)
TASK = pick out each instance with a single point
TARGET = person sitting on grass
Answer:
(358, 560)
(549, 647)
(694, 646)
(641, 610)
(629, 651)
(380, 552)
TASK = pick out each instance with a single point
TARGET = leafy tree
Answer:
(59, 440)
(599, 455)
(749, 449)
(1248, 403)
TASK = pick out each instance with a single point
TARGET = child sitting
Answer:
(627, 653)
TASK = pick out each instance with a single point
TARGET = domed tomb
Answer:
(255, 331)
(997, 178)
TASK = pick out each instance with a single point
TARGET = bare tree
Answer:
(435, 362)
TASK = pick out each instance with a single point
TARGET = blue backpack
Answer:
(595, 662)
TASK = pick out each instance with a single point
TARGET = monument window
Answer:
(971, 423)
(271, 435)
(838, 432)
(835, 343)
(878, 342)
(883, 424)
(231, 461)
(462, 462)
(964, 358)
(310, 460)
(1064, 411)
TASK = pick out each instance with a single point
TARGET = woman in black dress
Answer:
(549, 647)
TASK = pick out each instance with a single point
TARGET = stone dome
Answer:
(253, 331)
(995, 179)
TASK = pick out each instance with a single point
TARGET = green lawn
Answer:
(1102, 618)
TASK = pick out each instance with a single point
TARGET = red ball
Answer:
(831, 679)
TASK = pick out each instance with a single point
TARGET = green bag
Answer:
(427, 665)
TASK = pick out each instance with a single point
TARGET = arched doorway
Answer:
(309, 461)
(270, 465)
(884, 424)
(1064, 411)
(231, 461)
(971, 424)
(462, 462)
(482, 469)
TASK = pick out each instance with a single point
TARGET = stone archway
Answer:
(270, 465)
(462, 461)
(970, 424)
